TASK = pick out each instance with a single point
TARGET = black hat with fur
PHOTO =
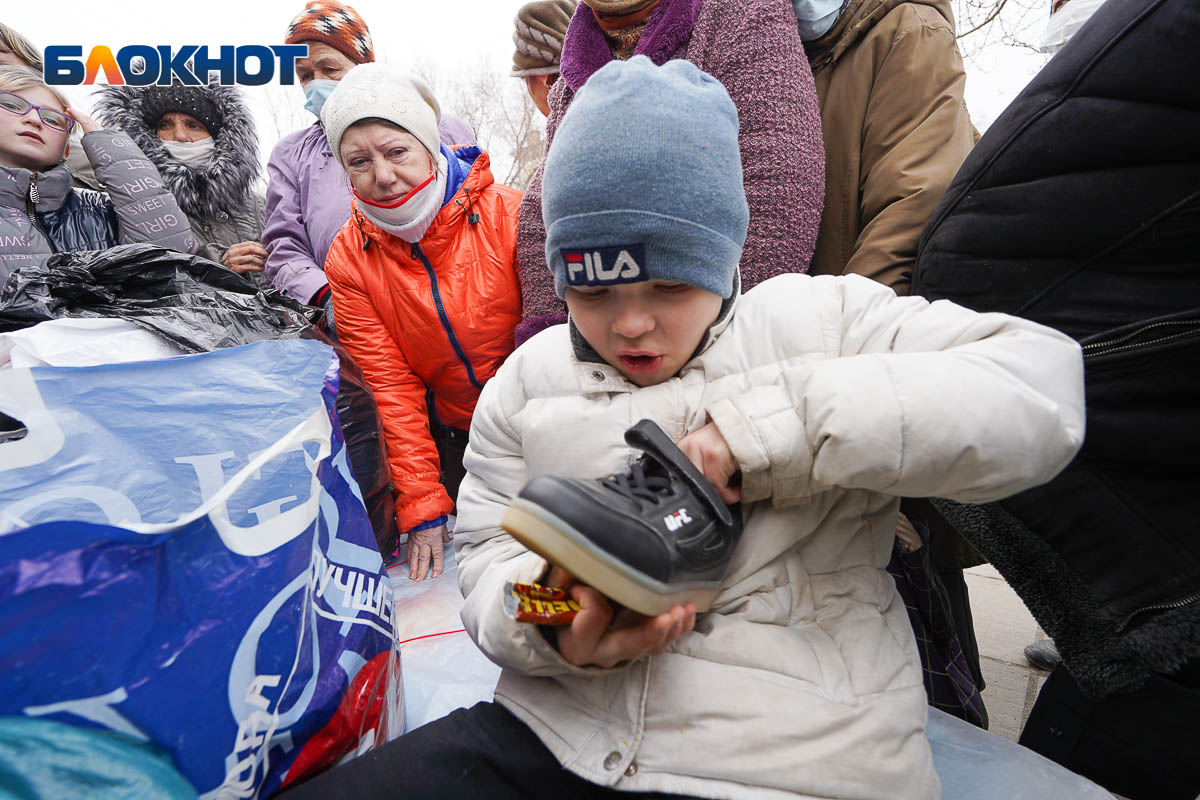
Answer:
(221, 185)
(158, 100)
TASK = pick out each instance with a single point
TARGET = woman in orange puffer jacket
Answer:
(424, 282)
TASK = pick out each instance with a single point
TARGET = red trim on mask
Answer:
(402, 200)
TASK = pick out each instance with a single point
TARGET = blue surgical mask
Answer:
(316, 93)
(816, 17)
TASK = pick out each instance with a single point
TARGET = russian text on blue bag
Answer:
(255, 584)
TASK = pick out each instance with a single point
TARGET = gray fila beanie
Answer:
(643, 181)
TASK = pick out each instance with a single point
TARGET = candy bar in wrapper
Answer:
(541, 605)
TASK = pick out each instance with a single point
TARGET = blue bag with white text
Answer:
(185, 558)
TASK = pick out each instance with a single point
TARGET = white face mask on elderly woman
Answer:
(816, 17)
(193, 154)
(396, 183)
(410, 216)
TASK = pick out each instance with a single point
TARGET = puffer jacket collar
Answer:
(469, 168)
(854, 23)
(53, 187)
(201, 192)
(458, 165)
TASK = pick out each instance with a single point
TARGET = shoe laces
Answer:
(637, 486)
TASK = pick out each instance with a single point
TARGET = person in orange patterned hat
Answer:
(337, 40)
(333, 25)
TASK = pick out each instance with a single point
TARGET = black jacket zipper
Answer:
(437, 302)
(31, 201)
(1186, 601)
(1189, 326)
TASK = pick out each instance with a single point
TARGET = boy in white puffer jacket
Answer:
(832, 397)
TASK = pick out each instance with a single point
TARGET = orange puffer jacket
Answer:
(438, 314)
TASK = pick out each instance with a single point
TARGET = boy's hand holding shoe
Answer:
(708, 451)
(598, 636)
(655, 538)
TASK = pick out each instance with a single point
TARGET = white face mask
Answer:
(816, 17)
(412, 216)
(193, 154)
(1065, 22)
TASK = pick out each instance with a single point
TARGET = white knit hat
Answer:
(380, 90)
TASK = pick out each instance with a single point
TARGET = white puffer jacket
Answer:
(836, 397)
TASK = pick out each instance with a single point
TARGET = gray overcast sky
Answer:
(444, 36)
(448, 37)
(446, 32)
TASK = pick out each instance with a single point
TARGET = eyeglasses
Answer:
(15, 104)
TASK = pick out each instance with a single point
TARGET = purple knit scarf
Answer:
(585, 49)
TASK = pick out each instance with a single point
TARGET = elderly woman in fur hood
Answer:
(203, 141)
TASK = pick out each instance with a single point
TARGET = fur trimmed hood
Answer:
(224, 184)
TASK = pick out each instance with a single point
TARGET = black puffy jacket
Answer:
(1080, 209)
(85, 221)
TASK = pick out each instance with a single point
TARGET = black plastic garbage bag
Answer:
(201, 306)
(363, 432)
(196, 303)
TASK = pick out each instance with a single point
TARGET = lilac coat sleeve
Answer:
(290, 264)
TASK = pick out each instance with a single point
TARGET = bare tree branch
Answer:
(506, 122)
(1010, 23)
(992, 13)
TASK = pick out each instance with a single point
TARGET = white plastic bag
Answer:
(83, 342)
(976, 765)
(443, 669)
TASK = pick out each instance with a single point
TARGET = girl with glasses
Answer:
(17, 51)
(45, 215)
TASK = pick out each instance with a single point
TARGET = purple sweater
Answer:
(308, 201)
(753, 47)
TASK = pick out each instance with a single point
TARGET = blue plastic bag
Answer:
(41, 759)
(186, 559)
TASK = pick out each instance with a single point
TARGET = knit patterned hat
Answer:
(541, 27)
(336, 25)
(158, 100)
(644, 181)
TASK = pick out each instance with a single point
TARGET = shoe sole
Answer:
(1043, 664)
(560, 543)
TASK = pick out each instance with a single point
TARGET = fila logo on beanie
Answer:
(601, 266)
(649, 155)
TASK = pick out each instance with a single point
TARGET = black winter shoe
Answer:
(655, 537)
(1043, 654)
